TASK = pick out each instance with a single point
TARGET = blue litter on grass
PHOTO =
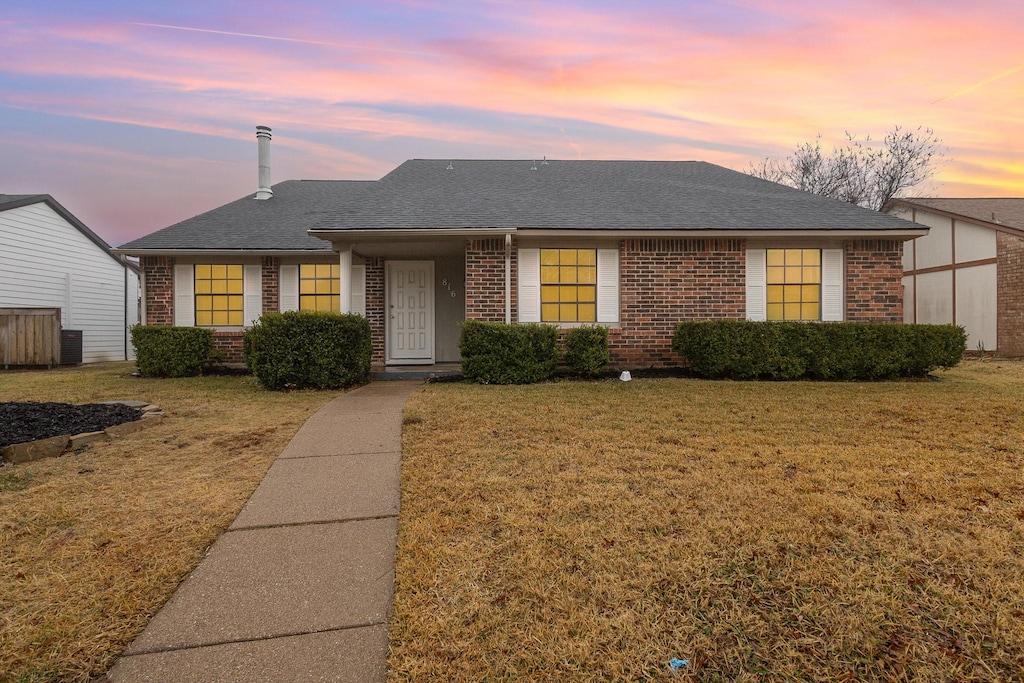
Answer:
(678, 663)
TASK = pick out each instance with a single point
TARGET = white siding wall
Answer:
(935, 248)
(908, 299)
(976, 306)
(46, 262)
(934, 298)
(974, 243)
(931, 298)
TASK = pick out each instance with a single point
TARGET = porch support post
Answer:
(508, 278)
(345, 275)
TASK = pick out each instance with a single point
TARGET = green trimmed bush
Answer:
(308, 350)
(586, 350)
(737, 349)
(162, 351)
(496, 353)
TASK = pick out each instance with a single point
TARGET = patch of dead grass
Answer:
(93, 543)
(807, 531)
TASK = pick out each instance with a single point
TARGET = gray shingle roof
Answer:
(589, 195)
(278, 223)
(1008, 211)
(559, 195)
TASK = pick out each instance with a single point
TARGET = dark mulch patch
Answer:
(21, 422)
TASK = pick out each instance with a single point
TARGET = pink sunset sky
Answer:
(139, 115)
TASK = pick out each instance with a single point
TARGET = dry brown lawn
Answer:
(93, 543)
(761, 531)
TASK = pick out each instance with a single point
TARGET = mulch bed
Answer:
(21, 422)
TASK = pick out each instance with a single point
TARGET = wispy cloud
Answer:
(353, 88)
(980, 84)
(283, 39)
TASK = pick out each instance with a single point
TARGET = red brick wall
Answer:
(271, 284)
(230, 345)
(663, 281)
(485, 280)
(375, 308)
(874, 278)
(1009, 294)
(158, 273)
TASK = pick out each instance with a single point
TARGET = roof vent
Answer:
(534, 166)
(263, 140)
(544, 161)
(450, 167)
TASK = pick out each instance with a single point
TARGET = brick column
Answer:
(874, 281)
(158, 272)
(1009, 294)
(271, 284)
(485, 280)
(375, 308)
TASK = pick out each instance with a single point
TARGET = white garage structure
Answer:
(968, 270)
(50, 259)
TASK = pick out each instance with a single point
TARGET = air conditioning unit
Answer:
(70, 347)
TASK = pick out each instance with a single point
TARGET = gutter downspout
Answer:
(508, 278)
(124, 305)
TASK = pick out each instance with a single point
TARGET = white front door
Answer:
(410, 301)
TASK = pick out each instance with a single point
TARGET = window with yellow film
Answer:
(320, 287)
(219, 298)
(568, 285)
(794, 284)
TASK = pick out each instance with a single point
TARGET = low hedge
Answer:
(496, 353)
(162, 351)
(308, 350)
(828, 351)
(586, 350)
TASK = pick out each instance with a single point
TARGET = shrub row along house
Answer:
(633, 245)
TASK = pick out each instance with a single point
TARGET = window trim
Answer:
(833, 278)
(184, 284)
(288, 282)
(334, 279)
(529, 284)
(228, 279)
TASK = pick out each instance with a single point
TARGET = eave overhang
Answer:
(390, 235)
(219, 252)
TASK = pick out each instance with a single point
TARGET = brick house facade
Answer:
(435, 243)
(662, 282)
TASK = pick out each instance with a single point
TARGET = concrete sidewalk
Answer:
(299, 587)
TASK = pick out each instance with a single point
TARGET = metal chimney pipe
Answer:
(263, 140)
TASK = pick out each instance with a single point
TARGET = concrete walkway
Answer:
(299, 588)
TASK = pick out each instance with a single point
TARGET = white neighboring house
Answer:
(968, 270)
(50, 259)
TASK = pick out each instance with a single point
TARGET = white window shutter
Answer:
(529, 286)
(184, 295)
(289, 288)
(832, 284)
(607, 285)
(359, 290)
(253, 285)
(756, 275)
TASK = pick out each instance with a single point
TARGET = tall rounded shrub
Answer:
(162, 351)
(586, 350)
(496, 353)
(308, 350)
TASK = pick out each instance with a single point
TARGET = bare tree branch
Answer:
(859, 172)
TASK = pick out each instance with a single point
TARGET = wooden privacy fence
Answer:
(30, 336)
